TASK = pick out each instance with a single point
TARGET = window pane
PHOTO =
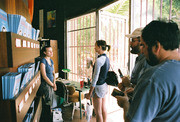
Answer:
(157, 9)
(136, 7)
(175, 15)
(165, 9)
(113, 28)
(144, 7)
(150, 11)
(80, 41)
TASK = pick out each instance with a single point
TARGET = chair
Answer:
(62, 92)
(70, 96)
(73, 96)
(68, 93)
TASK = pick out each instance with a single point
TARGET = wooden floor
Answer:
(116, 116)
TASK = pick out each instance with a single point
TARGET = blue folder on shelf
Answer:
(37, 34)
(33, 33)
(27, 71)
(3, 21)
(4, 85)
(37, 68)
(10, 84)
(17, 24)
(14, 84)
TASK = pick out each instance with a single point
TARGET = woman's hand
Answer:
(87, 96)
(54, 87)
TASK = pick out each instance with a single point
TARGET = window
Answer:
(144, 11)
(112, 28)
(81, 37)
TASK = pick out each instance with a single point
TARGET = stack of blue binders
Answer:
(10, 84)
(27, 71)
(3, 21)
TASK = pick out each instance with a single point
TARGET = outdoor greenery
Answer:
(176, 11)
(122, 8)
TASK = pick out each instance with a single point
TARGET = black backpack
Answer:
(112, 78)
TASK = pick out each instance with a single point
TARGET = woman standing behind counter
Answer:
(48, 84)
(99, 87)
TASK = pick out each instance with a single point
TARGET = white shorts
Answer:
(101, 90)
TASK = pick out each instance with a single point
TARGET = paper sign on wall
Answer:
(18, 42)
(21, 105)
(24, 43)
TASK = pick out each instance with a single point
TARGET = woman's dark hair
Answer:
(103, 44)
(166, 33)
(44, 50)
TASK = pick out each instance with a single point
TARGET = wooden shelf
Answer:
(38, 109)
(16, 109)
(17, 50)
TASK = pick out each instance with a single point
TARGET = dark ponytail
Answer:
(103, 44)
(109, 47)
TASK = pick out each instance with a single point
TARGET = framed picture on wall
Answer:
(51, 19)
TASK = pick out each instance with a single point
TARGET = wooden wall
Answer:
(15, 7)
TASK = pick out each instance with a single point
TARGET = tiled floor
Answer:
(115, 113)
(116, 116)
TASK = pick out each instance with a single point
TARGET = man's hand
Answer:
(129, 90)
(126, 81)
(122, 101)
(121, 86)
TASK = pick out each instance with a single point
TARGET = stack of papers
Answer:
(37, 67)
(10, 84)
(33, 34)
(27, 71)
(37, 64)
(3, 21)
(17, 24)
(29, 30)
(37, 34)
